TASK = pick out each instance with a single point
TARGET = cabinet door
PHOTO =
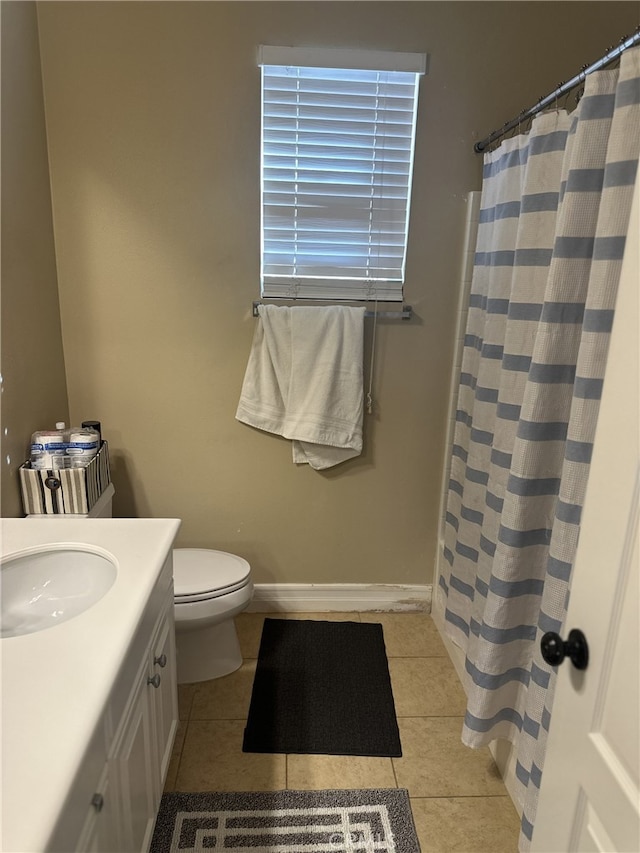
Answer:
(100, 833)
(134, 766)
(165, 696)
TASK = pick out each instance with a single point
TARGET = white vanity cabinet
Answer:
(135, 740)
(86, 735)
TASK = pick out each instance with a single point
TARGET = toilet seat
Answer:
(200, 574)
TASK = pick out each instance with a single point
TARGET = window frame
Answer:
(343, 287)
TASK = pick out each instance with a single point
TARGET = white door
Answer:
(589, 799)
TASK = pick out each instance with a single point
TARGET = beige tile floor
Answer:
(458, 800)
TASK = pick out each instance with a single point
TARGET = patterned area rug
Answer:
(377, 820)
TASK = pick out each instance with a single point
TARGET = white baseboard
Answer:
(341, 597)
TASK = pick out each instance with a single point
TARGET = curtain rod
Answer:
(561, 89)
(405, 314)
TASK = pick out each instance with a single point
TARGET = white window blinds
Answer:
(337, 157)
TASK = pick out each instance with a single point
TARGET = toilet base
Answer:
(208, 653)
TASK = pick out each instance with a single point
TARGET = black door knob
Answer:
(554, 649)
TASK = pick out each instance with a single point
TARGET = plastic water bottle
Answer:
(48, 448)
(82, 446)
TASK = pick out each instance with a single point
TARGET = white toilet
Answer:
(210, 588)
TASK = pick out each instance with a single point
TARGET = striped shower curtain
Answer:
(554, 213)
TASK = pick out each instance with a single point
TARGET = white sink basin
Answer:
(46, 586)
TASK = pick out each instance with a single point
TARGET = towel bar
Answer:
(405, 314)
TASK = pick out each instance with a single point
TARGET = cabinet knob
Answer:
(155, 680)
(161, 661)
(97, 801)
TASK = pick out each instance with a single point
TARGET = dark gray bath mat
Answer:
(287, 822)
(322, 687)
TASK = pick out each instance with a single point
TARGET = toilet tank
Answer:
(102, 508)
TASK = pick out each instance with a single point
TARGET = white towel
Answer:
(304, 381)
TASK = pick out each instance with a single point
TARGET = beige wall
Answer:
(34, 393)
(153, 114)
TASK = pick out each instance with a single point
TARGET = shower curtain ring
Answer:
(558, 88)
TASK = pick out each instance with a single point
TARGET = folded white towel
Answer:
(304, 381)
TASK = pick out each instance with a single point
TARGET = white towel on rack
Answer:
(304, 381)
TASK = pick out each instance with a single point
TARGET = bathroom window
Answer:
(338, 132)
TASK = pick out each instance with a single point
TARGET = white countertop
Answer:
(56, 682)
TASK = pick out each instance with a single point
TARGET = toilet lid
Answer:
(202, 573)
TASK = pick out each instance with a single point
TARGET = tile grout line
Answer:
(184, 740)
(186, 722)
(464, 797)
(186, 732)
(395, 775)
